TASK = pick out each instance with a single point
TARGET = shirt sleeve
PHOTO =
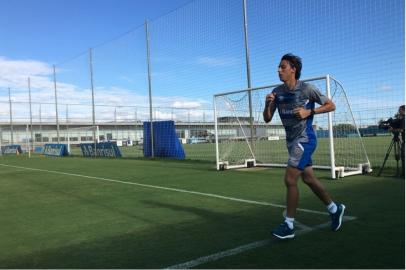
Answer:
(315, 95)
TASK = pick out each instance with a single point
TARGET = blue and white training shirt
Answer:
(304, 95)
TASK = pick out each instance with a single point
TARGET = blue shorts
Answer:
(300, 153)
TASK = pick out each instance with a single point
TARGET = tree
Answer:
(343, 128)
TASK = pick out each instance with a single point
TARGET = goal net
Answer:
(74, 136)
(243, 139)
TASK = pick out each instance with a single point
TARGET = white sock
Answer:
(332, 208)
(289, 221)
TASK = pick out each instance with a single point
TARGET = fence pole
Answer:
(115, 122)
(40, 123)
(1, 141)
(11, 116)
(93, 110)
(67, 127)
(29, 99)
(149, 87)
(247, 63)
(56, 105)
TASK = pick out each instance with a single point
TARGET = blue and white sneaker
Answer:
(283, 231)
(337, 217)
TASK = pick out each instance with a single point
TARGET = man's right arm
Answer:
(270, 107)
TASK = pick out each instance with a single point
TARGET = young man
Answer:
(295, 101)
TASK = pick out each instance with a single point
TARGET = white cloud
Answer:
(386, 88)
(15, 73)
(186, 104)
(25, 68)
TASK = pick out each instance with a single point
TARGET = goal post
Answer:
(246, 141)
(82, 134)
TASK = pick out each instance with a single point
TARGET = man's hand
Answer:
(269, 99)
(301, 112)
(269, 107)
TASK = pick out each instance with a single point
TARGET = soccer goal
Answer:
(243, 139)
(76, 135)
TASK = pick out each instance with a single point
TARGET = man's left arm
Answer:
(326, 105)
(303, 113)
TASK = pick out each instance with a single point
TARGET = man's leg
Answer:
(286, 229)
(315, 185)
(292, 192)
(336, 210)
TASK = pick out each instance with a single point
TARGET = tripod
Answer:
(395, 143)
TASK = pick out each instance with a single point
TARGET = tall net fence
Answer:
(199, 50)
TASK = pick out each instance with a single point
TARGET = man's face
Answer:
(402, 111)
(286, 71)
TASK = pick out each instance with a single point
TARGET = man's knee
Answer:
(291, 176)
(308, 176)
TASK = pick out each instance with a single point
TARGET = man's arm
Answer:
(303, 113)
(270, 107)
(328, 106)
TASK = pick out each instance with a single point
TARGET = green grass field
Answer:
(134, 213)
(376, 148)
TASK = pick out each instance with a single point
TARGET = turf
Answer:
(54, 220)
(376, 148)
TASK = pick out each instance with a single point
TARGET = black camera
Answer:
(390, 123)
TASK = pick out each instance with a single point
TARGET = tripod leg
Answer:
(386, 157)
(397, 157)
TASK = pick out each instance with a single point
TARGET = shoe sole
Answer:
(340, 219)
(284, 237)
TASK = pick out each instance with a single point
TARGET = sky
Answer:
(55, 30)
(197, 50)
(36, 34)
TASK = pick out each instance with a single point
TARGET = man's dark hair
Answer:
(294, 61)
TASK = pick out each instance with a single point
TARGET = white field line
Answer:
(165, 188)
(247, 247)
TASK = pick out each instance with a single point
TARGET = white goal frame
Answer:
(250, 160)
(93, 129)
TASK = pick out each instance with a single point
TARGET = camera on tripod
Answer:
(395, 126)
(390, 123)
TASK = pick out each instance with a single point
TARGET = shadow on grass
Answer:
(159, 246)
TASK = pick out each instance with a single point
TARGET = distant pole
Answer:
(67, 127)
(40, 122)
(11, 116)
(149, 88)
(56, 105)
(247, 63)
(29, 98)
(188, 120)
(93, 109)
(1, 140)
(115, 122)
(28, 142)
